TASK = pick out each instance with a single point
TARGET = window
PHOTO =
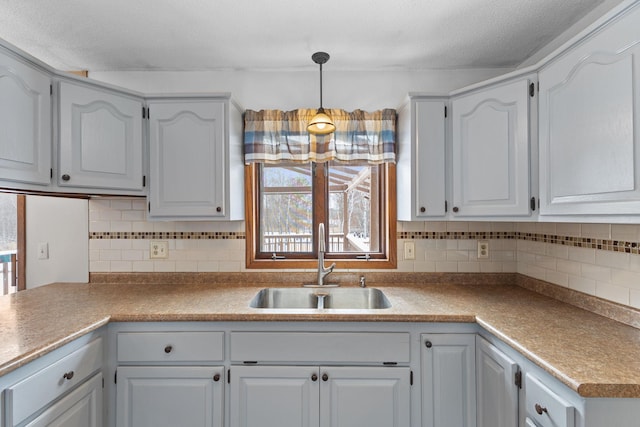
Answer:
(296, 181)
(287, 202)
(12, 242)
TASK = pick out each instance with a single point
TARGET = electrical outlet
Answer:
(158, 250)
(483, 249)
(409, 250)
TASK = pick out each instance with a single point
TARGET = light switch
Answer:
(409, 250)
(43, 250)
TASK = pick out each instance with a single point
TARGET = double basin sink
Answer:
(321, 298)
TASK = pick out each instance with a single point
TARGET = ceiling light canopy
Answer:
(321, 123)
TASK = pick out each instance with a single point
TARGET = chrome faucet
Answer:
(322, 271)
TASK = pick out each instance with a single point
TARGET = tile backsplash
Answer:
(597, 259)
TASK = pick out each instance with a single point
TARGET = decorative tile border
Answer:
(580, 242)
(169, 235)
(457, 235)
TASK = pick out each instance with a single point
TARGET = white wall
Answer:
(63, 224)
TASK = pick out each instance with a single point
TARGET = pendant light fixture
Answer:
(321, 123)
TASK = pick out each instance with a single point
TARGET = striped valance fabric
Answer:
(274, 136)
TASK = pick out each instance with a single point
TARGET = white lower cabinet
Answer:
(497, 386)
(170, 396)
(80, 408)
(69, 388)
(448, 374)
(328, 396)
(169, 378)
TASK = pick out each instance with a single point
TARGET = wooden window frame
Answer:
(388, 242)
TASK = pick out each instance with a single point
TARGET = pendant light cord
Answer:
(321, 109)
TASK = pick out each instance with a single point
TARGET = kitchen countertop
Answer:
(591, 354)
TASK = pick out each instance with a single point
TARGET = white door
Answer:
(365, 396)
(448, 380)
(490, 143)
(80, 408)
(187, 159)
(25, 123)
(497, 392)
(590, 125)
(274, 396)
(100, 139)
(170, 396)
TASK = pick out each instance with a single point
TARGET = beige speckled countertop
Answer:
(593, 355)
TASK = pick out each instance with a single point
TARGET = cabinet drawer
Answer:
(545, 407)
(36, 391)
(325, 347)
(170, 346)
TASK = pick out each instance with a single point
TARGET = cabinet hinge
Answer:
(445, 111)
(410, 377)
(533, 204)
(115, 377)
(532, 90)
(518, 379)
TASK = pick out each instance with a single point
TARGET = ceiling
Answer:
(119, 35)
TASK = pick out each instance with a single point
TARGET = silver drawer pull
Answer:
(540, 409)
(68, 375)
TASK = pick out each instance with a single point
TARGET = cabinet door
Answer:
(187, 152)
(497, 392)
(421, 160)
(448, 380)
(274, 396)
(364, 396)
(491, 152)
(80, 408)
(100, 143)
(162, 396)
(25, 120)
(590, 125)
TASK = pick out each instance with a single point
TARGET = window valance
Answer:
(274, 136)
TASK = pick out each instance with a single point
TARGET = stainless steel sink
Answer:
(321, 298)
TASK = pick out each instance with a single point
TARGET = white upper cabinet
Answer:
(196, 163)
(490, 151)
(101, 140)
(590, 123)
(25, 122)
(421, 159)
